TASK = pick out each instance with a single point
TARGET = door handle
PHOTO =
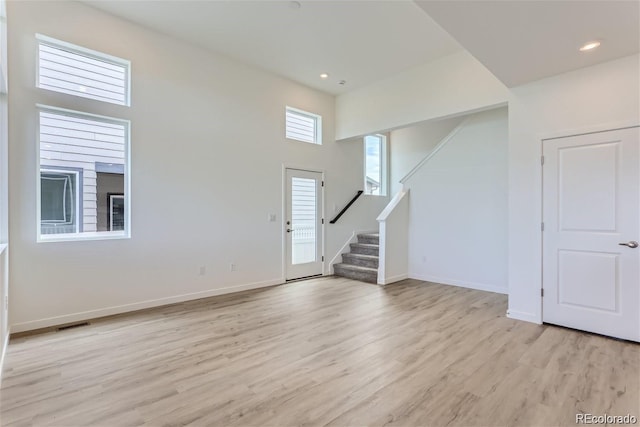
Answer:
(632, 244)
(290, 230)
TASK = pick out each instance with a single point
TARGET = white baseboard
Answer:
(3, 352)
(527, 317)
(392, 279)
(108, 311)
(462, 284)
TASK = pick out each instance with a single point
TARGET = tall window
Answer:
(83, 188)
(375, 171)
(303, 126)
(75, 149)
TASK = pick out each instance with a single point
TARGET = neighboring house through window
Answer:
(116, 212)
(74, 70)
(60, 205)
(303, 126)
(83, 158)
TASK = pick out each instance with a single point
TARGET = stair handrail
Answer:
(435, 150)
(337, 217)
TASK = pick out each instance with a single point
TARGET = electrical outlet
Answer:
(203, 270)
(232, 267)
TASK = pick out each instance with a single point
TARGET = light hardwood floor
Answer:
(329, 351)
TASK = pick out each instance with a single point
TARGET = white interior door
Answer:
(591, 214)
(303, 226)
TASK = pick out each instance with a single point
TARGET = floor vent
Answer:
(300, 279)
(75, 325)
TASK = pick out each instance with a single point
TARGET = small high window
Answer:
(303, 126)
(375, 170)
(83, 189)
(74, 70)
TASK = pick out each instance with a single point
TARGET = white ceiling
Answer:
(522, 41)
(357, 41)
(363, 41)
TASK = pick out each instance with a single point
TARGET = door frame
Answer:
(540, 211)
(283, 216)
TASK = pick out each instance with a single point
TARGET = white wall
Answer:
(601, 97)
(409, 145)
(455, 84)
(4, 314)
(4, 190)
(458, 208)
(207, 149)
(4, 227)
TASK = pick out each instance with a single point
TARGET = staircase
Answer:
(362, 262)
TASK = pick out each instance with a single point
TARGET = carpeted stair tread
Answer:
(356, 272)
(361, 263)
(365, 248)
(362, 260)
(369, 238)
(358, 268)
(362, 256)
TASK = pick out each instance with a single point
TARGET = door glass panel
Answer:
(303, 220)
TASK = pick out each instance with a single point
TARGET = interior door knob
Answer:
(632, 244)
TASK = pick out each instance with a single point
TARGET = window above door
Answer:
(303, 126)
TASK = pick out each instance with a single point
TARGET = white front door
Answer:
(591, 214)
(303, 226)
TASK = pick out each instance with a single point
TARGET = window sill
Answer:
(74, 237)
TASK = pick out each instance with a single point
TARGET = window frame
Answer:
(317, 119)
(81, 235)
(384, 165)
(90, 53)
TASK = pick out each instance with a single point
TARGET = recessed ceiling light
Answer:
(324, 76)
(590, 46)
